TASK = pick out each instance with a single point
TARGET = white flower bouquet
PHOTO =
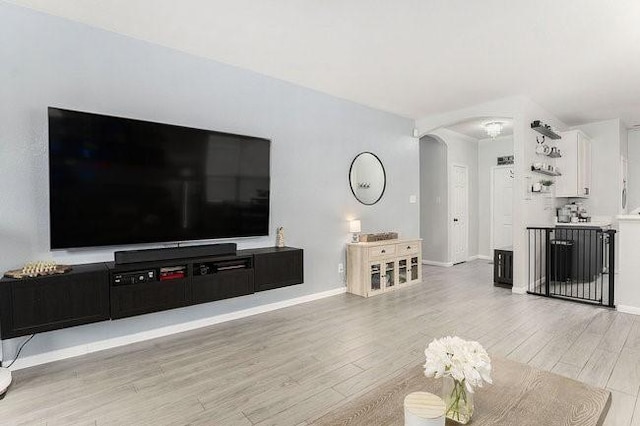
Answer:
(466, 363)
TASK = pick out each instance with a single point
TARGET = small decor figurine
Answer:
(463, 365)
(280, 237)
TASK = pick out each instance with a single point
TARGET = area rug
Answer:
(520, 395)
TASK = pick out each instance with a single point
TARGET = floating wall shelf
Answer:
(545, 172)
(544, 129)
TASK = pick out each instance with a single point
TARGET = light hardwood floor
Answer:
(291, 366)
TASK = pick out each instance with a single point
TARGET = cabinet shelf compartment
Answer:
(214, 267)
(168, 273)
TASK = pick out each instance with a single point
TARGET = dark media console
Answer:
(165, 279)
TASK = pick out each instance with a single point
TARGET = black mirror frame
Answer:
(384, 175)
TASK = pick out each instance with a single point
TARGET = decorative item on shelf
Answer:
(355, 227)
(505, 160)
(546, 185)
(541, 148)
(536, 187)
(545, 169)
(493, 129)
(383, 236)
(423, 409)
(463, 365)
(544, 129)
(38, 269)
(554, 153)
(280, 237)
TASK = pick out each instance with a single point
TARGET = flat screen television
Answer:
(118, 181)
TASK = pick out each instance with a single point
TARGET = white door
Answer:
(460, 213)
(502, 207)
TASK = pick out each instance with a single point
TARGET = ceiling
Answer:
(474, 128)
(580, 59)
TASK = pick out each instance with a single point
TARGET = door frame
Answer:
(466, 215)
(493, 171)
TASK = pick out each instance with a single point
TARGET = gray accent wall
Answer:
(49, 61)
(433, 200)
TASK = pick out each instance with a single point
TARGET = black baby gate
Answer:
(573, 263)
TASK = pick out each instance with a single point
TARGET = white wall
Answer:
(434, 199)
(488, 152)
(463, 150)
(51, 61)
(634, 169)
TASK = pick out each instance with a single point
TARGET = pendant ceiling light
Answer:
(493, 129)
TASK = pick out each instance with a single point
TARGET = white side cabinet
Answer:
(373, 268)
(575, 165)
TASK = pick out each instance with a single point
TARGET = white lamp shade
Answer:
(354, 226)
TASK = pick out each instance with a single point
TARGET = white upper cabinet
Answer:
(575, 165)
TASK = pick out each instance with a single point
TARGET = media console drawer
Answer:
(278, 267)
(222, 279)
(146, 297)
(224, 285)
(33, 305)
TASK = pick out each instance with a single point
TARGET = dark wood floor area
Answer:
(291, 366)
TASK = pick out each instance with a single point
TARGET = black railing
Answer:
(575, 263)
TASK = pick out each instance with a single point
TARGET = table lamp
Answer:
(355, 228)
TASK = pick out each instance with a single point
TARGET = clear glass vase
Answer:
(457, 399)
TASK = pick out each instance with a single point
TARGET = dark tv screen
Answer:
(118, 181)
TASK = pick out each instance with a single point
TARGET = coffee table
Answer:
(520, 396)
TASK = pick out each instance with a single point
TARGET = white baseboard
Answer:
(449, 264)
(519, 290)
(79, 350)
(484, 257)
(628, 309)
(434, 263)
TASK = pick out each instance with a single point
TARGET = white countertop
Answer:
(629, 217)
(592, 224)
(596, 222)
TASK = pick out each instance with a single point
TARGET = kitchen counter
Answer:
(629, 217)
(603, 222)
(603, 225)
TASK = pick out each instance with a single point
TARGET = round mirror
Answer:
(367, 178)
